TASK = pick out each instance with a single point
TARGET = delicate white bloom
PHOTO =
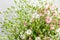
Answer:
(52, 8)
(52, 26)
(48, 12)
(35, 15)
(33, 3)
(29, 31)
(58, 35)
(37, 38)
(46, 6)
(50, 39)
(58, 30)
(22, 36)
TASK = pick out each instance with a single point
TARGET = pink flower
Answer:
(48, 19)
(59, 23)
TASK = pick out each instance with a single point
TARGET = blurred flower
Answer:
(59, 23)
(58, 30)
(54, 13)
(52, 8)
(48, 12)
(29, 31)
(22, 36)
(30, 38)
(52, 26)
(35, 15)
(32, 20)
(37, 38)
(33, 3)
(48, 19)
(25, 23)
(41, 14)
(46, 38)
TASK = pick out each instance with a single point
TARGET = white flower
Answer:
(58, 35)
(22, 36)
(29, 31)
(33, 3)
(37, 38)
(35, 15)
(46, 6)
(50, 39)
(48, 12)
(58, 30)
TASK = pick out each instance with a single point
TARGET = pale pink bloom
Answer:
(48, 19)
(41, 14)
(52, 28)
(59, 23)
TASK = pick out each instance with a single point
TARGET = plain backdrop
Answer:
(4, 4)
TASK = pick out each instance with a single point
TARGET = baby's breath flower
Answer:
(48, 19)
(22, 36)
(52, 26)
(35, 15)
(37, 38)
(58, 30)
(29, 31)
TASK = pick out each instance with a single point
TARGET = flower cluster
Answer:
(34, 22)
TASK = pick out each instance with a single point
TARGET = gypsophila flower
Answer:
(22, 36)
(58, 30)
(35, 15)
(52, 26)
(48, 12)
(37, 38)
(48, 19)
(29, 31)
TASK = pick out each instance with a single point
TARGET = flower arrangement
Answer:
(32, 21)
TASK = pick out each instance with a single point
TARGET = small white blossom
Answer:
(37, 38)
(48, 12)
(29, 31)
(58, 30)
(35, 15)
(22, 36)
(33, 3)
